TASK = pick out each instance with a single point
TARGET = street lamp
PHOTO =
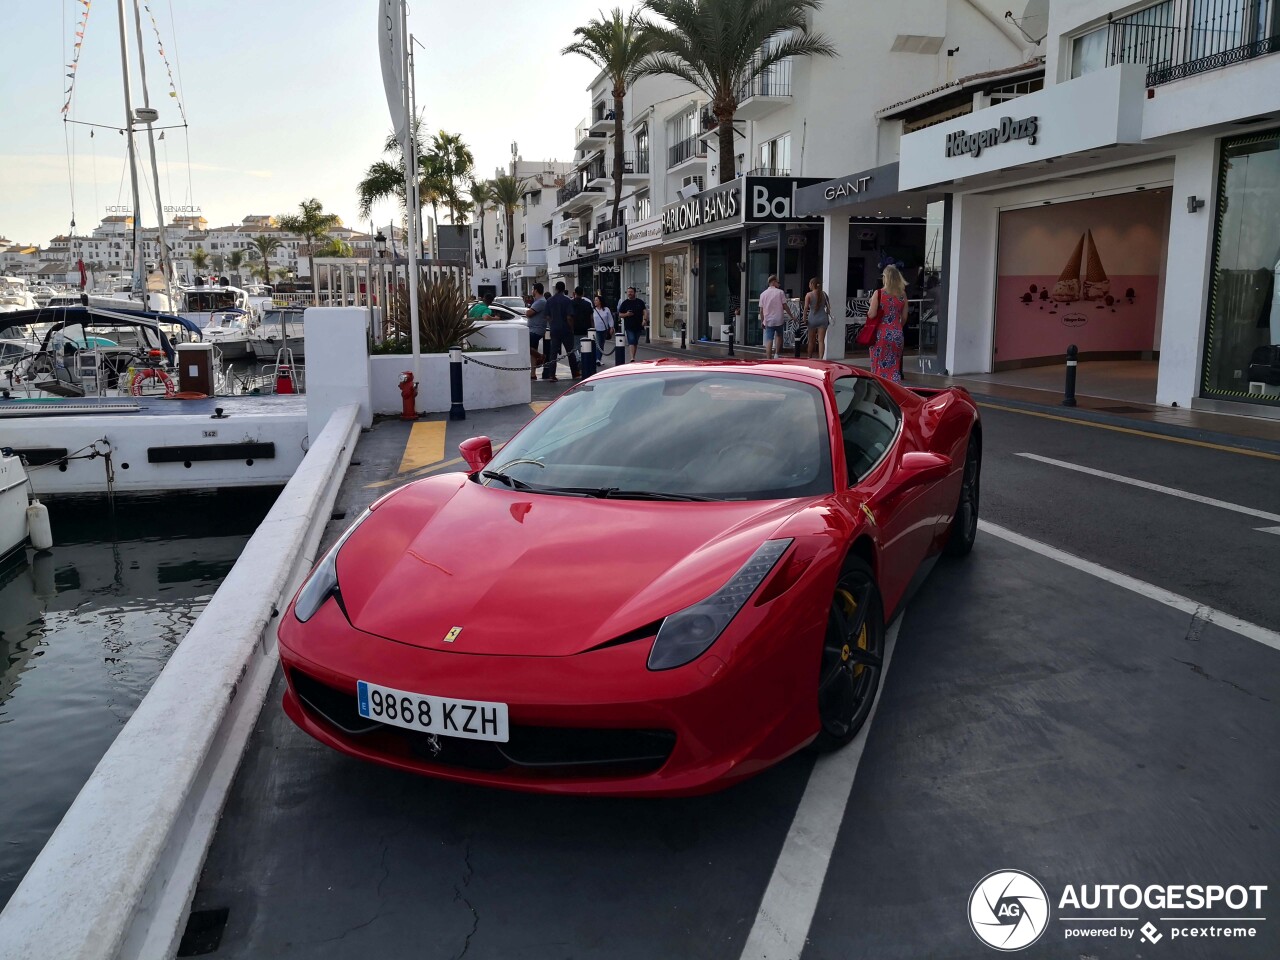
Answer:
(380, 242)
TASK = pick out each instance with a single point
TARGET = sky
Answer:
(283, 98)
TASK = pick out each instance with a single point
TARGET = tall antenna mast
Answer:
(139, 287)
(166, 264)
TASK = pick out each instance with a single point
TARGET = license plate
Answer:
(443, 716)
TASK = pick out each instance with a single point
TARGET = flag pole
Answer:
(411, 195)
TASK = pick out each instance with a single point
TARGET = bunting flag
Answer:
(81, 25)
(173, 87)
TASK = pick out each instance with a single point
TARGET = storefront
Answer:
(611, 245)
(739, 233)
(1242, 336)
(637, 271)
(870, 222)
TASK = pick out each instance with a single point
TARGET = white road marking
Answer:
(786, 912)
(1171, 491)
(1252, 631)
(1275, 530)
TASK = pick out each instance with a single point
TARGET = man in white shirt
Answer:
(773, 304)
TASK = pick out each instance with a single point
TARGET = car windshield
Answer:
(675, 435)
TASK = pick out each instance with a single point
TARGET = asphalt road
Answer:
(1033, 716)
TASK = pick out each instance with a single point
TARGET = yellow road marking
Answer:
(424, 447)
(1138, 433)
(539, 405)
(421, 472)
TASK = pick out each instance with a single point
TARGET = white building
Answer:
(698, 251)
(1131, 207)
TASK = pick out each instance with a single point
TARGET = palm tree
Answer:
(618, 45)
(313, 225)
(265, 247)
(385, 179)
(200, 259)
(482, 196)
(453, 162)
(720, 46)
(235, 260)
(335, 247)
(508, 191)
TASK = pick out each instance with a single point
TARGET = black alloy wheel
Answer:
(964, 525)
(852, 656)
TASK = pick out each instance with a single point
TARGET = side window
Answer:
(868, 421)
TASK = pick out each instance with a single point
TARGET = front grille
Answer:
(544, 751)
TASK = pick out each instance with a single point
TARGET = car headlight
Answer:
(686, 635)
(322, 583)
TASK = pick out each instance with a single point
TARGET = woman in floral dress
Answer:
(889, 303)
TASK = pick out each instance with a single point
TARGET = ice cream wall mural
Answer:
(1088, 272)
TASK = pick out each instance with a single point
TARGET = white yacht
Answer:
(14, 295)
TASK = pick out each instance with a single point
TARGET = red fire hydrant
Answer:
(408, 394)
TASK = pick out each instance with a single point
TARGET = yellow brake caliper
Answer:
(850, 608)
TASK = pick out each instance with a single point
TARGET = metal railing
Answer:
(773, 81)
(769, 172)
(597, 170)
(584, 133)
(635, 161)
(1176, 40)
(686, 149)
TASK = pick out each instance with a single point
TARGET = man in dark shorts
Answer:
(537, 314)
(635, 317)
(560, 321)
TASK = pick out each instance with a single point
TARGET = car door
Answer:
(902, 521)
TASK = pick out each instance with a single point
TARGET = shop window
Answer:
(1242, 341)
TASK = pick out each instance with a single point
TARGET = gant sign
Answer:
(847, 188)
(960, 142)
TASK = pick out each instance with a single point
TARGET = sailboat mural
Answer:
(1088, 273)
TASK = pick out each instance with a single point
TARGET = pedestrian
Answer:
(560, 325)
(889, 306)
(537, 314)
(817, 314)
(581, 315)
(602, 320)
(773, 304)
(634, 315)
(480, 309)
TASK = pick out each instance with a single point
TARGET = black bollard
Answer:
(456, 409)
(587, 346)
(731, 326)
(619, 348)
(546, 353)
(683, 329)
(1069, 399)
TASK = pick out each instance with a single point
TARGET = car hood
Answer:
(536, 574)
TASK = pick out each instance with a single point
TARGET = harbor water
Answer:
(86, 629)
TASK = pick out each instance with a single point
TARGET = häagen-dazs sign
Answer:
(960, 143)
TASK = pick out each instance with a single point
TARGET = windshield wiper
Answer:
(614, 493)
(512, 482)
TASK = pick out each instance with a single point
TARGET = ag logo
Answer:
(1008, 910)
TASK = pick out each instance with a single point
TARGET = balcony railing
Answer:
(568, 192)
(769, 172)
(1176, 41)
(773, 81)
(584, 133)
(686, 149)
(597, 170)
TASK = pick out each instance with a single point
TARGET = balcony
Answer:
(765, 93)
(587, 138)
(598, 175)
(1182, 40)
(768, 172)
(576, 195)
(601, 119)
(685, 151)
(635, 167)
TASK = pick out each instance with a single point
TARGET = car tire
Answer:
(852, 656)
(964, 525)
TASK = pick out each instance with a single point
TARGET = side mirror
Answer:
(477, 451)
(918, 468)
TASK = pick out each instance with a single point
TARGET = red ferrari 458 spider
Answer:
(673, 577)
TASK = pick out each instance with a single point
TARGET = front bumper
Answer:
(598, 722)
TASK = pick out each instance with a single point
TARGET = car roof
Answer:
(816, 371)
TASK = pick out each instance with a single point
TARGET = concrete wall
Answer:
(483, 388)
(116, 878)
(337, 363)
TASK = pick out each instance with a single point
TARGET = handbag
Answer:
(867, 335)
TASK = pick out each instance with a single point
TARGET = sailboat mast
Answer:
(139, 287)
(166, 265)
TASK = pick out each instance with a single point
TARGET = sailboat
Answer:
(150, 290)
